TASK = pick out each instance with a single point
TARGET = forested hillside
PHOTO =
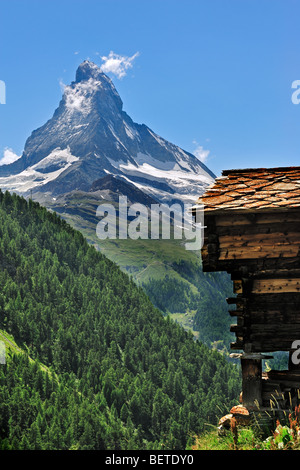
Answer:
(203, 295)
(100, 367)
(171, 275)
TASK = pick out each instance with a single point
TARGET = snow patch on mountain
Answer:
(46, 170)
(131, 132)
(170, 174)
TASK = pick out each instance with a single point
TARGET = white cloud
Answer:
(78, 96)
(9, 157)
(201, 153)
(62, 85)
(117, 64)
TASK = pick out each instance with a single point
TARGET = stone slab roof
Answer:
(254, 189)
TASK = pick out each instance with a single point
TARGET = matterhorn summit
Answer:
(89, 137)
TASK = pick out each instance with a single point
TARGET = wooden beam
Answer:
(236, 313)
(239, 230)
(256, 252)
(237, 286)
(252, 382)
(277, 217)
(259, 239)
(239, 301)
(237, 345)
(263, 286)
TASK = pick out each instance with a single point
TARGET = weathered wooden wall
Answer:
(261, 251)
(252, 220)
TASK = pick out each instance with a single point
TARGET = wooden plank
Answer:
(230, 220)
(237, 286)
(289, 299)
(238, 301)
(288, 330)
(264, 317)
(278, 375)
(236, 329)
(276, 273)
(252, 382)
(239, 230)
(261, 286)
(236, 312)
(258, 239)
(265, 218)
(272, 345)
(253, 263)
(285, 251)
(264, 250)
(237, 345)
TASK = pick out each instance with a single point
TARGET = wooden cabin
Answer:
(252, 231)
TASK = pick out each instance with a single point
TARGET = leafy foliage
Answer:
(285, 436)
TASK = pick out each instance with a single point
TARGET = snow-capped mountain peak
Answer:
(90, 136)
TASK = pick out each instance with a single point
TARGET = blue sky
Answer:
(212, 76)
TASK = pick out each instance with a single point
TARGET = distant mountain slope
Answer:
(122, 375)
(116, 186)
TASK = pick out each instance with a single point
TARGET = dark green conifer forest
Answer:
(98, 366)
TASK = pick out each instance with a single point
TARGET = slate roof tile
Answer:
(254, 189)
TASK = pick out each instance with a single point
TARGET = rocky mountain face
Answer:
(89, 137)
